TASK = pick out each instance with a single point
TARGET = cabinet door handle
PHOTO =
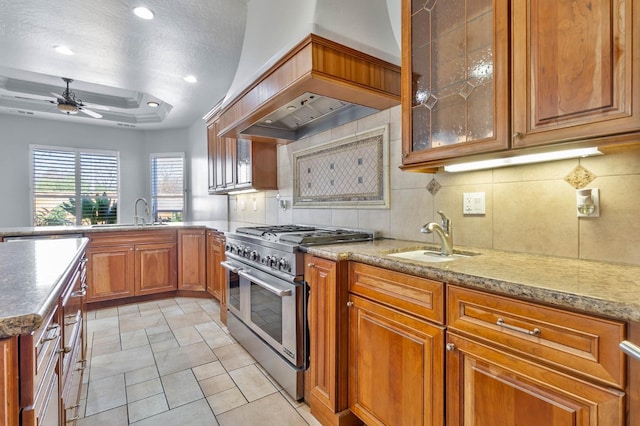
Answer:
(535, 332)
(349, 304)
(70, 323)
(65, 350)
(450, 347)
(311, 265)
(73, 419)
(630, 349)
(517, 135)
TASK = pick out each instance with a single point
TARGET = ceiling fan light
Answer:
(68, 109)
(143, 13)
(153, 104)
(191, 79)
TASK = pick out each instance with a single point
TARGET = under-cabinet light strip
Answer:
(523, 159)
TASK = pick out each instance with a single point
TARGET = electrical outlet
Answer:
(473, 203)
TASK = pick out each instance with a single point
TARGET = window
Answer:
(167, 187)
(61, 176)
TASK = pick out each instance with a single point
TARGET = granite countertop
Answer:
(32, 274)
(83, 229)
(605, 289)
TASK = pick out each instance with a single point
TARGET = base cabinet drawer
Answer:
(580, 344)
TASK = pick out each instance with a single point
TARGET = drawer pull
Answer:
(535, 332)
(66, 350)
(311, 265)
(630, 349)
(70, 323)
(72, 407)
(53, 327)
(73, 419)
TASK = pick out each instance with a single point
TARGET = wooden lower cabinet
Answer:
(396, 366)
(486, 386)
(52, 360)
(9, 411)
(155, 268)
(110, 272)
(216, 274)
(125, 264)
(328, 332)
(192, 260)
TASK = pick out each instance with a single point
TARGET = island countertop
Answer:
(32, 277)
(606, 289)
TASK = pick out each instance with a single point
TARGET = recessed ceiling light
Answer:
(153, 104)
(63, 49)
(143, 12)
(190, 79)
(291, 108)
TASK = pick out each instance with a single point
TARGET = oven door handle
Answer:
(265, 285)
(230, 267)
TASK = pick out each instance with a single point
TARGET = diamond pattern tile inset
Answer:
(579, 177)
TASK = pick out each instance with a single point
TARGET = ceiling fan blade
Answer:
(96, 106)
(89, 112)
(62, 98)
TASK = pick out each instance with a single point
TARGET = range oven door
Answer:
(271, 307)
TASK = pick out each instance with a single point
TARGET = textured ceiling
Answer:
(120, 60)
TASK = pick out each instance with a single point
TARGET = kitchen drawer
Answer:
(45, 410)
(38, 356)
(72, 318)
(71, 388)
(582, 344)
(100, 239)
(419, 296)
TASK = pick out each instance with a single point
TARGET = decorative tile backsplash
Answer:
(346, 172)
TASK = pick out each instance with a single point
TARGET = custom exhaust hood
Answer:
(317, 85)
(342, 68)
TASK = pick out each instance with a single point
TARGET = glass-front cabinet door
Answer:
(455, 79)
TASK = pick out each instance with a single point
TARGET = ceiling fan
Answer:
(67, 103)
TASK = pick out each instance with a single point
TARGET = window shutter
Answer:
(54, 185)
(167, 187)
(60, 176)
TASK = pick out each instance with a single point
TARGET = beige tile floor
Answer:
(172, 362)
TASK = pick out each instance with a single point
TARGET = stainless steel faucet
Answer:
(136, 218)
(444, 231)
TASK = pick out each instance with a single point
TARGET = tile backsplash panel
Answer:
(349, 171)
(529, 208)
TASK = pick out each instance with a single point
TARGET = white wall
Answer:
(201, 205)
(17, 133)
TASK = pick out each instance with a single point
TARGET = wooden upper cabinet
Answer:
(574, 75)
(455, 92)
(236, 164)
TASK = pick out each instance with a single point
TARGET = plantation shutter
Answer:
(61, 176)
(167, 186)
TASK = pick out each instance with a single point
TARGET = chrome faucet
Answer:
(444, 231)
(136, 218)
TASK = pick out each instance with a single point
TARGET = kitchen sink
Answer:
(431, 256)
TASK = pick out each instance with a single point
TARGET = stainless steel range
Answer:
(267, 295)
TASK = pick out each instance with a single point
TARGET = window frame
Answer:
(152, 197)
(78, 178)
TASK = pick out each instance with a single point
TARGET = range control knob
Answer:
(246, 251)
(254, 256)
(227, 247)
(283, 265)
(274, 262)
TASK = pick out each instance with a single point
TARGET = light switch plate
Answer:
(473, 203)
